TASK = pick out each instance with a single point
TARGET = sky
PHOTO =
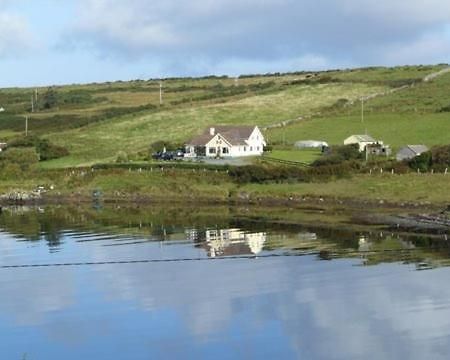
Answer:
(45, 42)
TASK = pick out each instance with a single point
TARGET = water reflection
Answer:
(239, 307)
(228, 242)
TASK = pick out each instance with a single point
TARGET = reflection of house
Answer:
(410, 151)
(227, 141)
(227, 242)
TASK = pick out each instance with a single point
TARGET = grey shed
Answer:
(410, 151)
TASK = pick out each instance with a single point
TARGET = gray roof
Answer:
(235, 135)
(417, 149)
(411, 151)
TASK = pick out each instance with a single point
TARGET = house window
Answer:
(225, 150)
(257, 148)
(251, 148)
(245, 148)
(212, 150)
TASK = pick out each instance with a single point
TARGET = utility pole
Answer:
(160, 93)
(32, 103)
(26, 125)
(362, 110)
(36, 99)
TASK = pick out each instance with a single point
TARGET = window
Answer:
(212, 150)
(245, 148)
(225, 150)
(251, 148)
(257, 148)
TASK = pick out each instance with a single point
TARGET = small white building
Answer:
(227, 141)
(362, 141)
(311, 144)
(3, 146)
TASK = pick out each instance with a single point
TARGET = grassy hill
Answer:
(96, 121)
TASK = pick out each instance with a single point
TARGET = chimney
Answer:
(212, 131)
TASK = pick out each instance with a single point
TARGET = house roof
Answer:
(417, 149)
(235, 135)
(363, 138)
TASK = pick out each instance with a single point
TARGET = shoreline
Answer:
(409, 217)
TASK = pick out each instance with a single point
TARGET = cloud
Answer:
(267, 32)
(15, 34)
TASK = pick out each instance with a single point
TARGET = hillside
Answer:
(96, 121)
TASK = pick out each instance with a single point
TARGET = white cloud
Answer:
(229, 34)
(15, 35)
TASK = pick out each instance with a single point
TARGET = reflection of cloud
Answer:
(331, 310)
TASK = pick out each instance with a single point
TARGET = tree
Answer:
(49, 99)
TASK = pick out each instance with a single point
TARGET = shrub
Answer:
(23, 158)
(338, 154)
(121, 157)
(45, 149)
(423, 162)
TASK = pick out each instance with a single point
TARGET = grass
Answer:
(396, 130)
(96, 121)
(101, 141)
(304, 156)
(389, 188)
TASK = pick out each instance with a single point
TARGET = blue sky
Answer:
(44, 42)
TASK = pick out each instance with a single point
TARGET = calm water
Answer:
(189, 283)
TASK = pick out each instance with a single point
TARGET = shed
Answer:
(304, 144)
(410, 151)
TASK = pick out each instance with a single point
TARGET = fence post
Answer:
(446, 170)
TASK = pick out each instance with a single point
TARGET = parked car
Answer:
(168, 155)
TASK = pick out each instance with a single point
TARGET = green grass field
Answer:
(304, 156)
(95, 121)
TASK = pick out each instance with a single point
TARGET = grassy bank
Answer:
(210, 186)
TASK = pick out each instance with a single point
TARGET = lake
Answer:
(184, 282)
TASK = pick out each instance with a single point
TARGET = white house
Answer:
(362, 141)
(227, 141)
(3, 146)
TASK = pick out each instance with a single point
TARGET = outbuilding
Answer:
(410, 151)
(362, 141)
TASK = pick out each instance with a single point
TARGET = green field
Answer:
(303, 156)
(96, 121)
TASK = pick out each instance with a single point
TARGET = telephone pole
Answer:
(160, 93)
(362, 110)
(26, 125)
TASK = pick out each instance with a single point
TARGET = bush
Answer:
(338, 154)
(423, 162)
(121, 157)
(24, 159)
(45, 149)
